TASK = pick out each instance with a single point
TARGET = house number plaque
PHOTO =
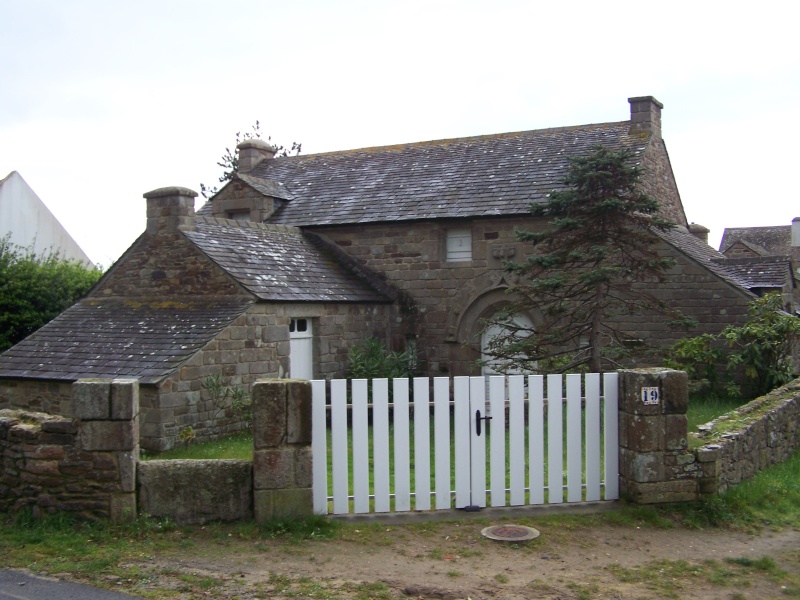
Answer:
(650, 395)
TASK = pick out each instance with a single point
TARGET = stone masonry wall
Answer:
(85, 465)
(447, 301)
(254, 346)
(51, 397)
(658, 181)
(746, 450)
(163, 266)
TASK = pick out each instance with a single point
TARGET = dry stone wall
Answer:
(754, 445)
(84, 465)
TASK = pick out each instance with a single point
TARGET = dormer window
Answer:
(459, 245)
(239, 215)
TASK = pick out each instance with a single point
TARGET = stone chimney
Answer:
(700, 232)
(252, 152)
(646, 115)
(170, 209)
(796, 232)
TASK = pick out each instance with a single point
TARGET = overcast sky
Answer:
(101, 101)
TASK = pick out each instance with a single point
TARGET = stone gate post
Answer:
(282, 476)
(107, 412)
(655, 463)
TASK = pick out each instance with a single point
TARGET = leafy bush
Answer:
(762, 349)
(232, 402)
(371, 360)
(35, 289)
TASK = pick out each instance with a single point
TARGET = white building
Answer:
(31, 224)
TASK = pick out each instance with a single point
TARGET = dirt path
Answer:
(453, 560)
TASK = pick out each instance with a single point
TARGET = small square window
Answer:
(459, 245)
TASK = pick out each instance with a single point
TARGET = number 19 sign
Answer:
(650, 395)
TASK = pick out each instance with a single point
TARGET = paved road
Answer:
(16, 585)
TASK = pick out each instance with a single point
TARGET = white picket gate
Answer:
(438, 458)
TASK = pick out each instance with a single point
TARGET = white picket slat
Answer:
(380, 443)
(496, 429)
(360, 446)
(477, 450)
(536, 438)
(462, 438)
(441, 441)
(339, 449)
(574, 439)
(319, 448)
(516, 441)
(555, 441)
(592, 426)
(422, 445)
(402, 447)
(611, 438)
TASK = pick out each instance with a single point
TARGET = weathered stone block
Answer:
(675, 392)
(67, 426)
(91, 399)
(303, 467)
(663, 492)
(262, 505)
(677, 432)
(109, 435)
(124, 398)
(644, 468)
(196, 491)
(127, 469)
(122, 508)
(273, 469)
(298, 427)
(646, 433)
(269, 413)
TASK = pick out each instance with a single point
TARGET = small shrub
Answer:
(761, 350)
(372, 360)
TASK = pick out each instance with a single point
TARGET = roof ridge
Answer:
(441, 141)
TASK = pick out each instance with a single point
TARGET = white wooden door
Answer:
(301, 356)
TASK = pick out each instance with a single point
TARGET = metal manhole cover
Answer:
(510, 533)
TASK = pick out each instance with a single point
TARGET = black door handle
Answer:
(478, 419)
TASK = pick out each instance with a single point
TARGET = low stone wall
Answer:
(770, 434)
(196, 491)
(84, 465)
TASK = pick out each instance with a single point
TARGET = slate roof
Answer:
(493, 175)
(283, 264)
(760, 272)
(701, 252)
(767, 241)
(120, 338)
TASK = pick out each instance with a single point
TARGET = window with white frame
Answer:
(459, 245)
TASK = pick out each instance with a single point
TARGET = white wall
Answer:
(28, 220)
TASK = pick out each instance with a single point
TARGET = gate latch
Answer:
(478, 419)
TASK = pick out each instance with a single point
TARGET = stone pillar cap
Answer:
(257, 143)
(170, 191)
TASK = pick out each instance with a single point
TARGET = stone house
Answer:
(767, 259)
(298, 258)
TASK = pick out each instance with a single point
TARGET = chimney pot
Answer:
(170, 209)
(646, 115)
(796, 232)
(252, 152)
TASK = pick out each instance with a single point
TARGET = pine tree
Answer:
(597, 245)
